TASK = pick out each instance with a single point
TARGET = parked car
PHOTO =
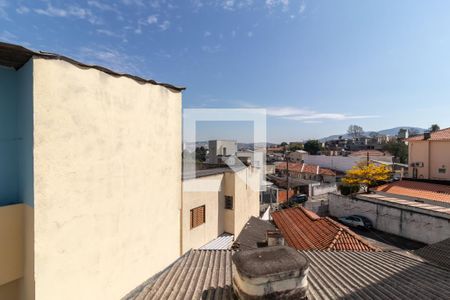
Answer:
(356, 221)
(299, 198)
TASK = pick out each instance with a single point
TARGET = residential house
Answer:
(307, 171)
(429, 155)
(224, 208)
(297, 156)
(304, 230)
(83, 153)
(220, 150)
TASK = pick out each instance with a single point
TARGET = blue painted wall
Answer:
(16, 133)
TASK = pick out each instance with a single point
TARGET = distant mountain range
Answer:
(390, 131)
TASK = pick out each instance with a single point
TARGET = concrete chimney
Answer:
(274, 238)
(278, 272)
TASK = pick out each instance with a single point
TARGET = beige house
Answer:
(83, 154)
(231, 200)
(429, 155)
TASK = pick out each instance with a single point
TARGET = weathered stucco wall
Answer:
(214, 214)
(426, 228)
(107, 169)
(440, 158)
(418, 152)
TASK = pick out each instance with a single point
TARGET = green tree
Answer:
(283, 144)
(312, 147)
(295, 146)
(397, 149)
(434, 127)
(200, 154)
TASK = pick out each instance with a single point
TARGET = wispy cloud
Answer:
(3, 13)
(21, 10)
(211, 49)
(284, 4)
(110, 58)
(153, 19)
(207, 34)
(302, 8)
(70, 11)
(307, 115)
(164, 25)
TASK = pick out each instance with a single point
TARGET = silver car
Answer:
(356, 221)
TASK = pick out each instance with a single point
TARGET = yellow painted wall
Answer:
(418, 152)
(107, 171)
(11, 243)
(219, 219)
(439, 156)
(213, 201)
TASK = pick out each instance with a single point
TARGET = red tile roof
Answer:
(304, 230)
(424, 190)
(440, 135)
(305, 168)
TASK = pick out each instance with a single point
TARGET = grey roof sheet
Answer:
(253, 233)
(15, 56)
(199, 274)
(438, 253)
(374, 275)
(222, 242)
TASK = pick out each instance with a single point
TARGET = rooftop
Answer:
(304, 230)
(371, 153)
(207, 274)
(253, 233)
(423, 190)
(305, 168)
(437, 253)
(15, 56)
(222, 242)
(440, 135)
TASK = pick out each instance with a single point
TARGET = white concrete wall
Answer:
(107, 181)
(410, 224)
(340, 163)
(323, 189)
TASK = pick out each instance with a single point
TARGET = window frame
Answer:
(194, 219)
(232, 202)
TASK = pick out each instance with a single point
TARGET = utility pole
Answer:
(287, 175)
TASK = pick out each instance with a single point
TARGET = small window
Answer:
(197, 216)
(442, 170)
(228, 202)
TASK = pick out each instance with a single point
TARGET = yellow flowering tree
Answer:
(365, 175)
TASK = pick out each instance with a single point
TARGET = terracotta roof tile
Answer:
(305, 168)
(304, 230)
(424, 190)
(440, 135)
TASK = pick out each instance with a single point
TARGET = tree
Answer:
(200, 154)
(355, 131)
(295, 146)
(283, 144)
(398, 149)
(366, 175)
(312, 147)
(413, 132)
(434, 127)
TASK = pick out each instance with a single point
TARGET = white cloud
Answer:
(8, 36)
(250, 34)
(22, 10)
(3, 13)
(153, 19)
(207, 34)
(302, 8)
(164, 25)
(211, 49)
(70, 11)
(228, 4)
(284, 4)
(307, 115)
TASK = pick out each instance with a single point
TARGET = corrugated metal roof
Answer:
(222, 242)
(199, 274)
(304, 230)
(207, 274)
(374, 275)
(15, 56)
(438, 253)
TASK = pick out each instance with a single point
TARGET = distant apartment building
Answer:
(232, 200)
(220, 150)
(307, 171)
(429, 155)
(83, 154)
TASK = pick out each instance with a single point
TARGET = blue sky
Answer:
(317, 66)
